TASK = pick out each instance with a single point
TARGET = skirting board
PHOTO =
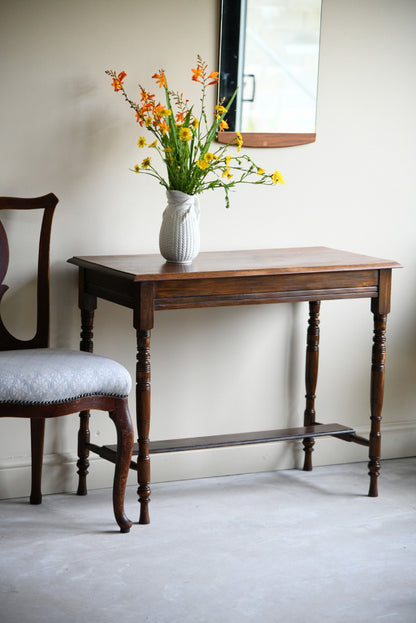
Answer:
(59, 471)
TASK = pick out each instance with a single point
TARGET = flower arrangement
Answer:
(183, 139)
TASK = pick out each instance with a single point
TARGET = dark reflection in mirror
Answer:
(269, 49)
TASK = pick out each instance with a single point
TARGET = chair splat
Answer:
(47, 203)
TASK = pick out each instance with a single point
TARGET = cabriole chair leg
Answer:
(125, 440)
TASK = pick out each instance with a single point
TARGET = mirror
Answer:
(269, 49)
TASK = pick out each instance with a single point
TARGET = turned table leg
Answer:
(87, 304)
(376, 393)
(143, 422)
(311, 377)
(380, 307)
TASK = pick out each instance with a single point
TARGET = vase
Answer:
(179, 233)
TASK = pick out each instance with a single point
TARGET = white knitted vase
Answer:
(179, 232)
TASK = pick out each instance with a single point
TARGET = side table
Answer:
(146, 284)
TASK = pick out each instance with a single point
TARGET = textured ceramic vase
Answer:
(179, 233)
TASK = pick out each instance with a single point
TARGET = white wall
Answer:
(228, 369)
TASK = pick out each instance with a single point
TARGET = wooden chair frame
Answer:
(38, 413)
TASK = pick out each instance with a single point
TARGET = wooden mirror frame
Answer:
(259, 139)
(267, 139)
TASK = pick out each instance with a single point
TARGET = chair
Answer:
(38, 382)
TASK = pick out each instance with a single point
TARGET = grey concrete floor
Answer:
(286, 546)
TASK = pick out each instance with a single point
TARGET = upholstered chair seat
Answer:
(52, 376)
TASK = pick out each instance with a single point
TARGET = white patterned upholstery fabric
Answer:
(50, 376)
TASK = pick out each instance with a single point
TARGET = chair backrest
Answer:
(47, 203)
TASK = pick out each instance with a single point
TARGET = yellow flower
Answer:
(148, 121)
(209, 157)
(226, 173)
(195, 123)
(185, 134)
(239, 140)
(221, 109)
(141, 142)
(136, 168)
(260, 171)
(202, 164)
(153, 144)
(162, 111)
(227, 160)
(146, 163)
(277, 177)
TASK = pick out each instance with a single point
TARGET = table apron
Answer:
(226, 291)
(264, 298)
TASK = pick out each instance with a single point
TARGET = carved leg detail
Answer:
(86, 345)
(83, 452)
(311, 377)
(37, 433)
(376, 393)
(125, 440)
(87, 320)
(143, 422)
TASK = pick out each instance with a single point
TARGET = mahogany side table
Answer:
(146, 283)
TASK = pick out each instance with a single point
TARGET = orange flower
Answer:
(162, 125)
(117, 82)
(214, 77)
(146, 107)
(223, 125)
(146, 96)
(197, 73)
(180, 117)
(160, 78)
(139, 117)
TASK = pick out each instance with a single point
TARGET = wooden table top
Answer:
(235, 263)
